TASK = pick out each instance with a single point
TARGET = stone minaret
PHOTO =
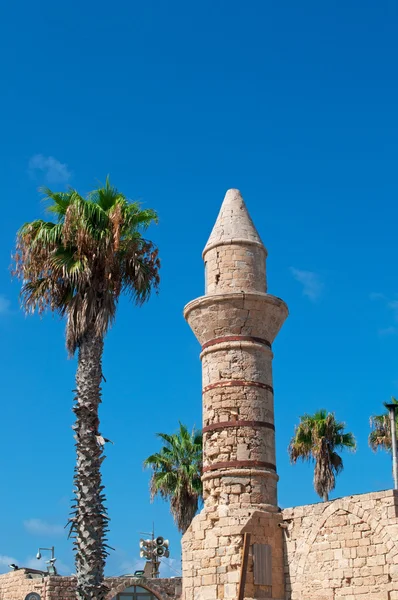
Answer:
(236, 322)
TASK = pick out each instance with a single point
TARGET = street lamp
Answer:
(51, 563)
(392, 410)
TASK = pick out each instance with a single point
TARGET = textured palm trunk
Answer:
(90, 521)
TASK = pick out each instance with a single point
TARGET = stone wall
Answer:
(164, 589)
(344, 549)
(212, 549)
(16, 585)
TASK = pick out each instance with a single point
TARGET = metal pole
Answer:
(392, 408)
(153, 550)
(154, 556)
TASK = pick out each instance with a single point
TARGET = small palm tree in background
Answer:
(177, 471)
(380, 436)
(316, 438)
(77, 266)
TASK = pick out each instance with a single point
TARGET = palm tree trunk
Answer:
(90, 521)
(325, 497)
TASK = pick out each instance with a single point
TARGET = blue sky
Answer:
(295, 104)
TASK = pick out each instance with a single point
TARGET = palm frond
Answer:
(316, 439)
(84, 261)
(176, 473)
(58, 202)
(380, 435)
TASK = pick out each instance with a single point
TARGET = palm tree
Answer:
(316, 438)
(177, 470)
(380, 436)
(77, 265)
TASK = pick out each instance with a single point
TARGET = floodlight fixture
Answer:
(51, 566)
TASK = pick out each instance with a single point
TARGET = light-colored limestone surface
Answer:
(344, 549)
(234, 254)
(236, 323)
(16, 585)
(233, 223)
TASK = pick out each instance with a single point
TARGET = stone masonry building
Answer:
(347, 548)
(344, 549)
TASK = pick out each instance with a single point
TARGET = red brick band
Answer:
(236, 338)
(239, 464)
(225, 424)
(238, 383)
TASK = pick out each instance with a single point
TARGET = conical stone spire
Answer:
(233, 223)
(234, 254)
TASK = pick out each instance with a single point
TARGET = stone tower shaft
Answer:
(235, 322)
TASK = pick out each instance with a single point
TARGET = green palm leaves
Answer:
(177, 470)
(380, 435)
(317, 438)
(79, 265)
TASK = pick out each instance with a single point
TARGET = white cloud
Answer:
(377, 296)
(33, 563)
(170, 567)
(312, 285)
(127, 567)
(393, 305)
(4, 305)
(37, 526)
(54, 171)
(5, 561)
(388, 331)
